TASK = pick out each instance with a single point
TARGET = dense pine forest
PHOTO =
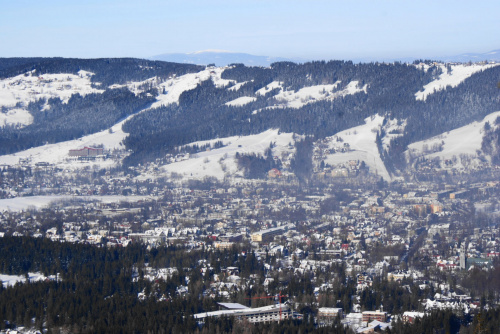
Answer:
(98, 290)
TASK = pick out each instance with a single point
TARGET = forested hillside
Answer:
(317, 99)
(202, 114)
(79, 117)
(107, 71)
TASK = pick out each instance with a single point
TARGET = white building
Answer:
(254, 315)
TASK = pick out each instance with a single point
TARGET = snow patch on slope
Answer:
(361, 144)
(464, 140)
(16, 117)
(269, 87)
(306, 95)
(457, 75)
(393, 128)
(57, 153)
(27, 88)
(221, 162)
(237, 86)
(317, 93)
(171, 90)
(11, 280)
(241, 101)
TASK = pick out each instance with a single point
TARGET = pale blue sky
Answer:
(313, 29)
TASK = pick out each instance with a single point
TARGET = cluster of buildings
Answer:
(369, 229)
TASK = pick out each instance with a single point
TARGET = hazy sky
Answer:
(312, 29)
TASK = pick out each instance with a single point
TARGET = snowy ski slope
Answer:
(458, 74)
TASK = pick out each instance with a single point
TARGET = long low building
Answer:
(266, 234)
(86, 152)
(254, 315)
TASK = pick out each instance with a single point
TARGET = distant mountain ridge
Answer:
(491, 56)
(222, 58)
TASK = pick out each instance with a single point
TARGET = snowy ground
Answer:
(171, 90)
(11, 280)
(237, 86)
(458, 74)
(270, 87)
(311, 94)
(57, 153)
(221, 162)
(16, 117)
(394, 128)
(110, 139)
(464, 140)
(363, 146)
(26, 88)
(39, 202)
(240, 101)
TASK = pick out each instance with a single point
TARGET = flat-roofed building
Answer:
(223, 245)
(262, 235)
(374, 315)
(254, 315)
(328, 314)
(86, 152)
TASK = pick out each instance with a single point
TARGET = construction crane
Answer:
(280, 296)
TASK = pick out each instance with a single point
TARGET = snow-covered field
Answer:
(171, 90)
(464, 140)
(458, 74)
(311, 94)
(11, 280)
(221, 162)
(40, 202)
(240, 101)
(270, 87)
(17, 117)
(237, 86)
(26, 88)
(111, 138)
(57, 153)
(362, 145)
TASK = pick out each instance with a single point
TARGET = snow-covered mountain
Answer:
(222, 58)
(199, 121)
(491, 56)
